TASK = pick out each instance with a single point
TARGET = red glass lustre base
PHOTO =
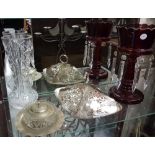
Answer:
(121, 96)
(98, 73)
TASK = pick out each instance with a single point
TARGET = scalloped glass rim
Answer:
(99, 21)
(137, 27)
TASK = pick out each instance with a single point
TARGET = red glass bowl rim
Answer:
(99, 21)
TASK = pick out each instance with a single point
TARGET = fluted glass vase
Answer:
(18, 48)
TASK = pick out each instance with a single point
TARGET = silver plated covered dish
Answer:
(63, 73)
(39, 119)
(85, 101)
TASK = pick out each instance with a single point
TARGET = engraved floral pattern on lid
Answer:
(39, 119)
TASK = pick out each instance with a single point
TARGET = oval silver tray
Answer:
(85, 101)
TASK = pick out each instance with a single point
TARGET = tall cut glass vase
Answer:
(18, 48)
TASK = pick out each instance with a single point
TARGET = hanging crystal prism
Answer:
(113, 65)
(85, 53)
(89, 53)
(92, 48)
(109, 55)
(148, 71)
(138, 69)
(86, 76)
(121, 68)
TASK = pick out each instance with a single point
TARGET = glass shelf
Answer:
(105, 126)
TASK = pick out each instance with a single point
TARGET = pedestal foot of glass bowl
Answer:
(120, 96)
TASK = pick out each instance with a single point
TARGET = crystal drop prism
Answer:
(113, 65)
(137, 75)
(85, 53)
(109, 55)
(121, 69)
(148, 71)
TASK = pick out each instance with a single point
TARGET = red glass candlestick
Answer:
(98, 34)
(134, 40)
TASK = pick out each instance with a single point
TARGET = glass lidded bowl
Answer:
(39, 119)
